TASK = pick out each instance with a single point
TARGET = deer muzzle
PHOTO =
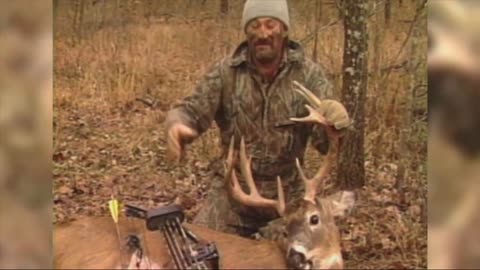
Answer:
(298, 260)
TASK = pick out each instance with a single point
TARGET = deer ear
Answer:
(342, 203)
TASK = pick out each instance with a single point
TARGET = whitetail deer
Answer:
(92, 243)
(311, 238)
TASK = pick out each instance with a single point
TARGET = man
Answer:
(250, 95)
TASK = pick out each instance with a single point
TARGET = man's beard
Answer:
(265, 52)
(265, 55)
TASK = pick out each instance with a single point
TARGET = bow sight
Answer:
(186, 249)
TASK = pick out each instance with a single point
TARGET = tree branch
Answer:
(410, 32)
(311, 35)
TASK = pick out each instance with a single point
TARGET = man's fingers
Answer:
(178, 135)
(173, 144)
(187, 134)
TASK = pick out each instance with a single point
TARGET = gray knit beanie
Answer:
(265, 8)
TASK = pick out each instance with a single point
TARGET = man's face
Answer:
(266, 38)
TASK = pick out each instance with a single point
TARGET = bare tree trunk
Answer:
(351, 170)
(388, 12)
(315, 42)
(55, 9)
(320, 10)
(340, 8)
(78, 20)
(376, 86)
(224, 7)
(76, 12)
(104, 14)
(116, 14)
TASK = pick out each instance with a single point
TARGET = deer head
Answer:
(311, 238)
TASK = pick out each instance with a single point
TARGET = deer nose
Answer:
(297, 260)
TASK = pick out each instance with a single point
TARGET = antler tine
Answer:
(280, 205)
(312, 185)
(315, 112)
(315, 116)
(229, 162)
(254, 199)
(245, 168)
(307, 94)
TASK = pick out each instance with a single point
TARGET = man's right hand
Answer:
(177, 136)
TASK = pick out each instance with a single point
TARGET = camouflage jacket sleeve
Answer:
(320, 86)
(198, 109)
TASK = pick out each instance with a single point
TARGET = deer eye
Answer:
(314, 220)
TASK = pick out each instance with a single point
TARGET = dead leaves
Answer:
(64, 190)
(385, 231)
(121, 157)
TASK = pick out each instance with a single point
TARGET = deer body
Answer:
(92, 243)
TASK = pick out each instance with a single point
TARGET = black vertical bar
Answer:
(192, 259)
(173, 248)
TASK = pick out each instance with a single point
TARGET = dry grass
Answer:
(106, 140)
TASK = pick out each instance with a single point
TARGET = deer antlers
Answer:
(316, 116)
(254, 199)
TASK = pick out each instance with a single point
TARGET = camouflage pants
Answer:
(221, 213)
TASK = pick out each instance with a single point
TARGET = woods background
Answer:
(119, 65)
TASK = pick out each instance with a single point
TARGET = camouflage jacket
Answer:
(234, 96)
